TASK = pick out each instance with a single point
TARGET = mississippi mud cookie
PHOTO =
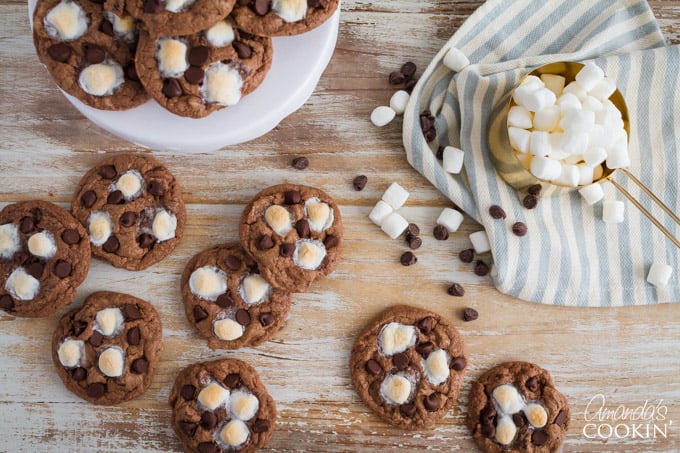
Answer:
(228, 301)
(515, 407)
(282, 17)
(133, 210)
(220, 407)
(408, 366)
(106, 351)
(44, 257)
(89, 52)
(195, 75)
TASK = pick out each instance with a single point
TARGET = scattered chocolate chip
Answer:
(408, 69)
(172, 88)
(88, 198)
(79, 374)
(96, 390)
(481, 268)
(188, 428)
(62, 269)
(70, 237)
(153, 6)
(199, 314)
(373, 367)
(535, 189)
(198, 55)
(561, 418)
(111, 245)
(400, 360)
(408, 259)
(265, 243)
(430, 135)
(331, 241)
(408, 410)
(426, 324)
(286, 250)
(134, 336)
(232, 380)
(79, 327)
(440, 233)
(519, 419)
(292, 197)
(35, 269)
(413, 229)
(410, 85)
(302, 228)
(396, 78)
(27, 224)
(107, 171)
(414, 242)
(208, 420)
(106, 27)
(208, 447)
(440, 153)
(224, 300)
(425, 349)
(261, 7)
(115, 197)
(470, 314)
(128, 219)
(300, 163)
(431, 402)
(467, 255)
(156, 189)
(260, 426)
(360, 182)
(243, 50)
(96, 338)
(94, 54)
(242, 317)
(488, 430)
(458, 363)
(194, 75)
(60, 52)
(140, 365)
(6, 302)
(519, 229)
(539, 437)
(188, 392)
(266, 319)
(530, 201)
(145, 240)
(131, 72)
(426, 121)
(456, 289)
(497, 212)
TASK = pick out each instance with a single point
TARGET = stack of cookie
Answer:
(193, 57)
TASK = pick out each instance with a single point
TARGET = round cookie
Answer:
(514, 407)
(294, 233)
(227, 300)
(221, 406)
(282, 17)
(44, 257)
(106, 351)
(133, 210)
(89, 52)
(198, 74)
(408, 366)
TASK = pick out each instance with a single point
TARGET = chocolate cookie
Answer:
(195, 75)
(282, 17)
(89, 52)
(106, 351)
(408, 366)
(228, 301)
(294, 233)
(221, 406)
(515, 407)
(133, 210)
(44, 257)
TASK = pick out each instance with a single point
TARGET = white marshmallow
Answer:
(66, 22)
(598, 137)
(603, 89)
(451, 219)
(254, 289)
(290, 10)
(176, 6)
(508, 398)
(539, 99)
(21, 285)
(568, 101)
(540, 143)
(520, 139)
(111, 362)
(101, 79)
(575, 89)
(71, 352)
(395, 337)
(227, 329)
(480, 242)
(519, 116)
(124, 27)
(577, 120)
(529, 85)
(42, 245)
(659, 274)
(524, 160)
(569, 176)
(559, 155)
(570, 159)
(220, 34)
(395, 196)
(171, 55)
(309, 254)
(585, 175)
(613, 211)
(437, 366)
(379, 212)
(554, 83)
(545, 168)
(592, 194)
(164, 225)
(593, 104)
(546, 119)
(279, 219)
(10, 242)
(456, 60)
(574, 142)
(609, 115)
(130, 183)
(243, 405)
(213, 396)
(109, 321)
(618, 156)
(396, 389)
(594, 156)
(383, 115)
(222, 84)
(234, 434)
(208, 282)
(589, 76)
(393, 225)
(319, 214)
(398, 101)
(536, 414)
(505, 430)
(453, 160)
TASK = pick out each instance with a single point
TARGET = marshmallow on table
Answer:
(520, 139)
(455, 60)
(480, 242)
(592, 193)
(380, 116)
(451, 219)
(545, 168)
(659, 274)
(519, 116)
(379, 212)
(589, 76)
(554, 83)
(398, 101)
(393, 225)
(395, 196)
(569, 176)
(612, 211)
(540, 143)
(453, 159)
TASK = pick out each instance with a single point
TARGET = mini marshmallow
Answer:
(254, 289)
(393, 225)
(545, 168)
(395, 196)
(279, 219)
(659, 274)
(529, 85)
(395, 337)
(164, 225)
(547, 119)
(222, 84)
(575, 142)
(519, 116)
(609, 116)
(480, 242)
(227, 329)
(71, 352)
(309, 254)
(589, 76)
(383, 115)
(536, 415)
(539, 99)
(593, 104)
(613, 211)
(396, 389)
(575, 89)
(455, 60)
(243, 405)
(379, 212)
(568, 101)
(520, 139)
(221, 34)
(618, 157)
(558, 154)
(598, 137)
(213, 396)
(594, 156)
(508, 398)
(130, 184)
(208, 282)
(235, 433)
(10, 243)
(111, 362)
(569, 176)
(398, 101)
(290, 10)
(554, 83)
(124, 27)
(585, 175)
(176, 6)
(21, 285)
(451, 219)
(66, 22)
(101, 79)
(453, 160)
(592, 193)
(577, 120)
(171, 55)
(319, 214)
(570, 159)
(540, 143)
(603, 89)
(437, 366)
(109, 321)
(42, 245)
(505, 430)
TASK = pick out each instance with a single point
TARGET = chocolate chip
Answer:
(426, 122)
(302, 228)
(360, 182)
(286, 250)
(232, 380)
(70, 237)
(488, 430)
(224, 300)
(426, 324)
(94, 54)
(37, 215)
(331, 241)
(62, 269)
(79, 327)
(134, 336)
(430, 135)
(6, 302)
(431, 402)
(400, 360)
(107, 171)
(208, 447)
(481, 268)
(292, 197)
(458, 363)
(317, 4)
(88, 198)
(470, 314)
(266, 319)
(198, 55)
(115, 197)
(243, 50)
(408, 259)
(265, 243)
(408, 69)
(60, 52)
(106, 27)
(300, 163)
(35, 270)
(535, 189)
(188, 392)
(414, 242)
(96, 390)
(519, 419)
(440, 233)
(467, 255)
(261, 7)
(530, 201)
(208, 420)
(172, 88)
(156, 189)
(373, 367)
(111, 245)
(128, 219)
(232, 262)
(188, 428)
(539, 437)
(79, 374)
(140, 365)
(497, 212)
(96, 338)
(145, 240)
(561, 418)
(396, 78)
(199, 314)
(440, 153)
(194, 75)
(27, 224)
(408, 410)
(153, 6)
(410, 85)
(532, 384)
(260, 426)
(242, 317)
(456, 289)
(131, 312)
(488, 413)
(425, 349)
(131, 72)
(519, 229)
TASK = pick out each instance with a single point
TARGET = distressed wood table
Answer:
(630, 357)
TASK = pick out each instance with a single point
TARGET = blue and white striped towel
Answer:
(570, 256)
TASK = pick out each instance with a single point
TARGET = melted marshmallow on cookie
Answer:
(21, 285)
(101, 79)
(220, 34)
(66, 21)
(10, 243)
(171, 55)
(223, 83)
(290, 10)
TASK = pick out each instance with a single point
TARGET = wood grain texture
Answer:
(630, 355)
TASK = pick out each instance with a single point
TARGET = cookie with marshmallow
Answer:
(221, 406)
(294, 233)
(181, 17)
(282, 17)
(515, 407)
(106, 351)
(133, 210)
(229, 301)
(44, 257)
(407, 366)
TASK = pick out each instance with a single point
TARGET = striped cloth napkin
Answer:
(569, 256)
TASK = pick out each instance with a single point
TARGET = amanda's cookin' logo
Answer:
(647, 421)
